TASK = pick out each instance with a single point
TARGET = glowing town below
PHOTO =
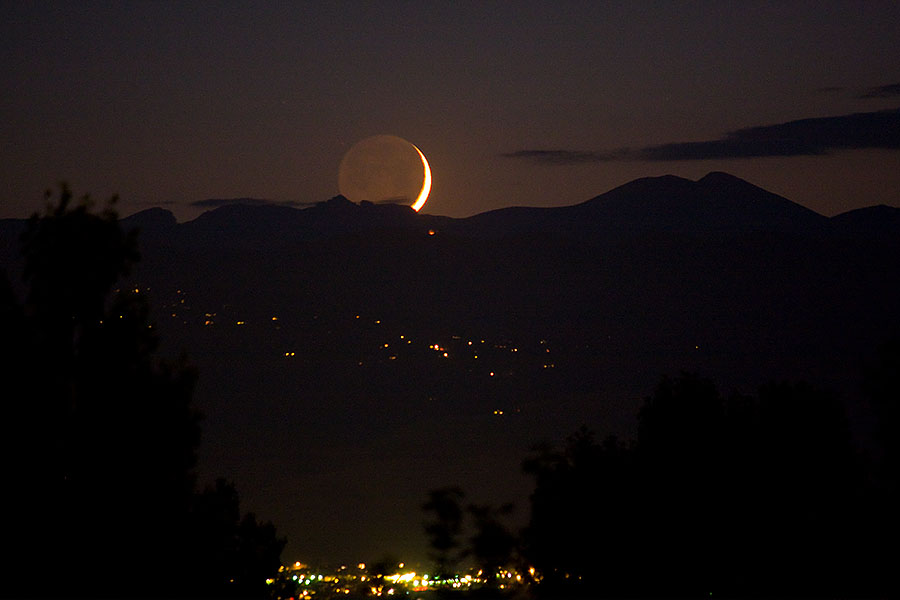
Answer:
(299, 580)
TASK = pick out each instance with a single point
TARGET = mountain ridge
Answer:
(312, 329)
(718, 203)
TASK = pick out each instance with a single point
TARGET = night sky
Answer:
(513, 103)
(182, 104)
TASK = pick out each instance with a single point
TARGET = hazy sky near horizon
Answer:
(513, 103)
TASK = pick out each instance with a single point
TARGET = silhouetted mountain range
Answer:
(881, 220)
(320, 333)
(718, 203)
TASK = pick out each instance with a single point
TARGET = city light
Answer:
(306, 582)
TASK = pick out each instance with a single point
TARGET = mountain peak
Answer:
(720, 176)
(881, 220)
(717, 203)
(339, 201)
(654, 184)
(155, 218)
(721, 182)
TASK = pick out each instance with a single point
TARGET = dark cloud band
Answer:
(804, 137)
(882, 91)
(557, 157)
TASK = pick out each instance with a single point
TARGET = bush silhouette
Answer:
(742, 496)
(99, 435)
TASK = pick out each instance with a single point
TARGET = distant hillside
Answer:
(650, 262)
(881, 220)
(313, 328)
(716, 204)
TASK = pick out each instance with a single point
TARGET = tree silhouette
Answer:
(493, 545)
(882, 387)
(446, 527)
(805, 485)
(99, 436)
(740, 497)
(681, 459)
(233, 555)
(582, 534)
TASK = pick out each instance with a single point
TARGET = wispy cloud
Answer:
(155, 203)
(882, 91)
(804, 137)
(558, 157)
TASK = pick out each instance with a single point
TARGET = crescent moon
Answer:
(426, 184)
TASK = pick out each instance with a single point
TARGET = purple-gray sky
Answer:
(513, 103)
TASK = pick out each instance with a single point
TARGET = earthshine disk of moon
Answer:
(385, 168)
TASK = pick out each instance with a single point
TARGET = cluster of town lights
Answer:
(443, 351)
(345, 580)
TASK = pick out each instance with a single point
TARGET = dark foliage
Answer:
(491, 545)
(233, 555)
(883, 391)
(98, 435)
(445, 529)
(762, 496)
(583, 505)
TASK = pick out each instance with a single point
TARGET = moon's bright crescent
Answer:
(426, 184)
